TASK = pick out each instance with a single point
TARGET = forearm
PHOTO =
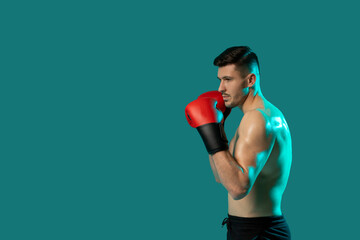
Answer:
(213, 168)
(231, 175)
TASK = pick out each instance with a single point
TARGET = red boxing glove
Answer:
(220, 102)
(203, 115)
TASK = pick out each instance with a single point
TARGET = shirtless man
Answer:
(255, 166)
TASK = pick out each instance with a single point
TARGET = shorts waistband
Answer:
(255, 219)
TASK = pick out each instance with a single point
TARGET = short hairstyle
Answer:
(243, 58)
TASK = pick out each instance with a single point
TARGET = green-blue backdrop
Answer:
(94, 141)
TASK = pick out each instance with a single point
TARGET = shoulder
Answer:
(253, 120)
(255, 128)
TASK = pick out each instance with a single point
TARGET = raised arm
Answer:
(252, 149)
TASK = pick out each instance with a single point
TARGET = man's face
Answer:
(233, 87)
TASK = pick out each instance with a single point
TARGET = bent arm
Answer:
(231, 175)
(238, 173)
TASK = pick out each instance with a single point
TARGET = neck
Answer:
(254, 100)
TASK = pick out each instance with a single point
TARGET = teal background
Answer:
(94, 141)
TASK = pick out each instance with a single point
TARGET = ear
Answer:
(251, 80)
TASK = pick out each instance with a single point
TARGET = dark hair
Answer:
(243, 57)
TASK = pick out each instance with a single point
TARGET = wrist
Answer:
(214, 137)
(220, 154)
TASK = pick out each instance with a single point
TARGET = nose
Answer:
(221, 87)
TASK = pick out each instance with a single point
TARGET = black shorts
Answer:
(272, 228)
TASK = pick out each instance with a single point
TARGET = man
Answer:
(255, 166)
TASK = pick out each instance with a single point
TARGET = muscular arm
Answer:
(238, 174)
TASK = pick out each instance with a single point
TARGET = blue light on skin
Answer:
(276, 123)
(261, 158)
(275, 126)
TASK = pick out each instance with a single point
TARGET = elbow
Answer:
(240, 191)
(239, 194)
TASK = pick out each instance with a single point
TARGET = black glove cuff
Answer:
(214, 137)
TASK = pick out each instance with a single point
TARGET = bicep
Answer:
(250, 158)
(252, 148)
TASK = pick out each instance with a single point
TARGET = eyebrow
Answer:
(225, 77)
